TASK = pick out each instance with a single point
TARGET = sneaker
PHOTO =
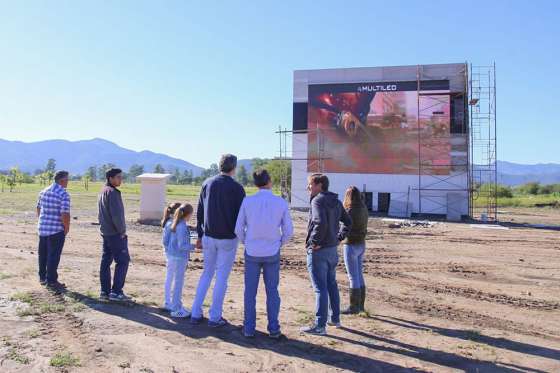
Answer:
(216, 324)
(122, 297)
(196, 320)
(103, 297)
(182, 313)
(166, 307)
(314, 329)
(275, 335)
(43, 281)
(335, 324)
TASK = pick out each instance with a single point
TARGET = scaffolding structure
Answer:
(451, 145)
(483, 180)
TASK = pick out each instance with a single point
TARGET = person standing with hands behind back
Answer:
(115, 241)
(218, 206)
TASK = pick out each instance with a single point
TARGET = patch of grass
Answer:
(51, 308)
(23, 297)
(365, 314)
(16, 356)
(5, 276)
(304, 317)
(473, 335)
(33, 333)
(64, 359)
(35, 309)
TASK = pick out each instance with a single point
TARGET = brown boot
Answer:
(362, 298)
(354, 306)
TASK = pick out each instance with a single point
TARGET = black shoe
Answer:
(43, 281)
(218, 324)
(362, 298)
(275, 335)
(196, 320)
(56, 286)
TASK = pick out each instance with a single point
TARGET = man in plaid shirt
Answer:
(53, 211)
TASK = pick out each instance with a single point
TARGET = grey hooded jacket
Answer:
(325, 216)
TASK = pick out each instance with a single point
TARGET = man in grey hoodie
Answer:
(324, 234)
(115, 241)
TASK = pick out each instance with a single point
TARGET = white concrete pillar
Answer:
(152, 196)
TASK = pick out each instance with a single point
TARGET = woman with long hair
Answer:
(354, 248)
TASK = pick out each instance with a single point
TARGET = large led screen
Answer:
(374, 128)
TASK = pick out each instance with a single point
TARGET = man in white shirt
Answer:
(264, 225)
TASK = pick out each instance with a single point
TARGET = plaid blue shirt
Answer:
(53, 201)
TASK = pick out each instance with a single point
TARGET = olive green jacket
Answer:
(359, 215)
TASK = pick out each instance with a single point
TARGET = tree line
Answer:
(280, 171)
(531, 188)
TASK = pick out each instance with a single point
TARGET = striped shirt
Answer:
(53, 201)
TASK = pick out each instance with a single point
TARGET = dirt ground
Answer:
(441, 297)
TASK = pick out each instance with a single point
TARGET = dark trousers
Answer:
(50, 249)
(115, 248)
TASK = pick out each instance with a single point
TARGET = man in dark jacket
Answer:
(115, 241)
(218, 207)
(323, 237)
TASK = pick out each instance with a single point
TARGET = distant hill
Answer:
(77, 156)
(512, 174)
(515, 174)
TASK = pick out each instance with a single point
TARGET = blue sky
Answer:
(197, 79)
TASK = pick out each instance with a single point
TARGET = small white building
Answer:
(152, 196)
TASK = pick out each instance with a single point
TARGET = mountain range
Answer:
(77, 156)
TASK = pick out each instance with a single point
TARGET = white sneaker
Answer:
(182, 313)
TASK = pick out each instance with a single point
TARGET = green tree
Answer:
(86, 179)
(134, 171)
(530, 188)
(92, 173)
(159, 169)
(13, 178)
(241, 175)
(186, 178)
(279, 171)
(209, 172)
(51, 165)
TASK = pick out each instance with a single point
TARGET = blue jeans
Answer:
(115, 248)
(219, 256)
(270, 267)
(50, 249)
(321, 265)
(353, 259)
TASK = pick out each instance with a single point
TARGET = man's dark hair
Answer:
(261, 178)
(59, 175)
(320, 179)
(228, 162)
(112, 172)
